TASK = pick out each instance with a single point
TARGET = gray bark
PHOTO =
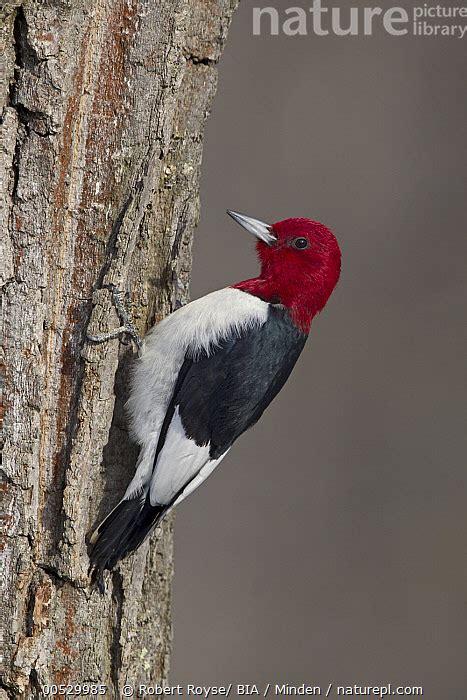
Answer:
(103, 106)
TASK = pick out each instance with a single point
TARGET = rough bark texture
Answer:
(103, 105)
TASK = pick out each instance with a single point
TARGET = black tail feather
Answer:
(124, 529)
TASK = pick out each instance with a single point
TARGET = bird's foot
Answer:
(127, 327)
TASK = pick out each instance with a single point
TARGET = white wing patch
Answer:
(199, 478)
(181, 463)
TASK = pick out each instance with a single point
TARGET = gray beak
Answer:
(258, 228)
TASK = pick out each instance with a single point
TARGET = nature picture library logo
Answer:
(423, 20)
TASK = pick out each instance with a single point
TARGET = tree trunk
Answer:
(103, 105)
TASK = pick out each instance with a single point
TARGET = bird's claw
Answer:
(127, 327)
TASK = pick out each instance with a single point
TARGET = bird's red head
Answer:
(300, 265)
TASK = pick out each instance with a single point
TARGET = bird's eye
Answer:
(300, 243)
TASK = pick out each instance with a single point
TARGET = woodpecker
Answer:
(208, 371)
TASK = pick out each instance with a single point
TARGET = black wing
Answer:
(224, 393)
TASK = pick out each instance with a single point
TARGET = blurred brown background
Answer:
(331, 545)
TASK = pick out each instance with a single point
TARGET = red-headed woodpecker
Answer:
(208, 371)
